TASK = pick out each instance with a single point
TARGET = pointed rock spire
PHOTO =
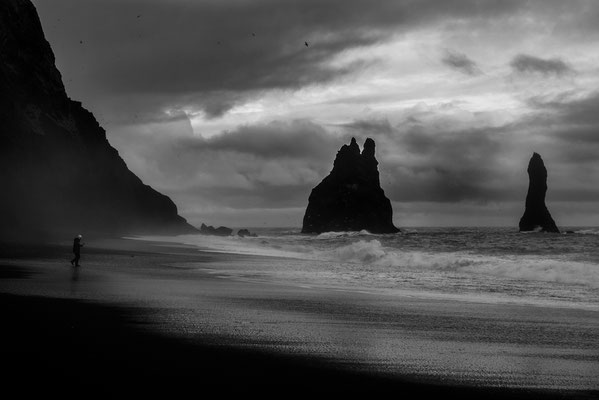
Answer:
(536, 215)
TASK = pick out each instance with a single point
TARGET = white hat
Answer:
(79, 236)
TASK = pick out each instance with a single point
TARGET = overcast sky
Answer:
(221, 105)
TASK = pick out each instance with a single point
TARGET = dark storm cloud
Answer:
(417, 162)
(428, 159)
(225, 51)
(571, 121)
(260, 195)
(525, 63)
(449, 165)
(577, 110)
(460, 62)
(263, 165)
(297, 139)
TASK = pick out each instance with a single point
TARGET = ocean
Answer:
(489, 265)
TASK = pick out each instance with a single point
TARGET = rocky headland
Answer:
(58, 170)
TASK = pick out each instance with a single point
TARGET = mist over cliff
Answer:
(58, 172)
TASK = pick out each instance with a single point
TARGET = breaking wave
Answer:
(588, 231)
(337, 235)
(364, 250)
(517, 267)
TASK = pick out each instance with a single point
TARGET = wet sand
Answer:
(150, 317)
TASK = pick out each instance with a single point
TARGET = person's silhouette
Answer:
(77, 245)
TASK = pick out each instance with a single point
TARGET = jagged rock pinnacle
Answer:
(350, 198)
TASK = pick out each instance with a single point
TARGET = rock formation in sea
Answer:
(220, 231)
(245, 232)
(350, 198)
(57, 169)
(536, 215)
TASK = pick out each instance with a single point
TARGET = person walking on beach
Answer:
(77, 245)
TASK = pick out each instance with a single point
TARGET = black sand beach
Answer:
(114, 326)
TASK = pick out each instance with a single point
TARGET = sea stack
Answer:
(350, 198)
(59, 174)
(536, 214)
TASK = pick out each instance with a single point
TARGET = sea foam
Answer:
(517, 267)
(356, 248)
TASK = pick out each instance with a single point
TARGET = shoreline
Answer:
(219, 327)
(433, 295)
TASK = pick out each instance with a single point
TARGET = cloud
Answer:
(417, 162)
(213, 55)
(449, 165)
(573, 108)
(370, 127)
(571, 122)
(460, 62)
(253, 166)
(299, 139)
(524, 63)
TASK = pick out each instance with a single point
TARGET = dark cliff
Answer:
(536, 214)
(57, 170)
(350, 198)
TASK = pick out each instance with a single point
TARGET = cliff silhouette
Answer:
(57, 169)
(350, 198)
(536, 215)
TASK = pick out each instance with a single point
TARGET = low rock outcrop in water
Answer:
(536, 214)
(245, 232)
(220, 231)
(350, 198)
(58, 171)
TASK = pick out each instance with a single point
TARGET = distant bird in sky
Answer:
(253, 34)
(306, 43)
(81, 42)
(139, 16)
